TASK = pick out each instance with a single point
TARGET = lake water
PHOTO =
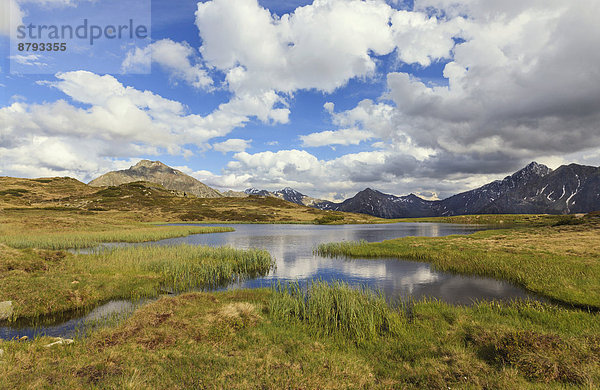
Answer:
(293, 248)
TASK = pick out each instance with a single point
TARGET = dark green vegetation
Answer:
(331, 218)
(234, 340)
(561, 262)
(14, 192)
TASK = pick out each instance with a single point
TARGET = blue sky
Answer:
(431, 97)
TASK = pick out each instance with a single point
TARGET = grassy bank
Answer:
(330, 336)
(235, 340)
(43, 282)
(77, 240)
(68, 229)
(560, 262)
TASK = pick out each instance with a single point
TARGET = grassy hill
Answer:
(15, 192)
(143, 201)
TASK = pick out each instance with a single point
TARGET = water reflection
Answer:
(293, 245)
(68, 324)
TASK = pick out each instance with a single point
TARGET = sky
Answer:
(329, 97)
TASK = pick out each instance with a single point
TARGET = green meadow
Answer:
(89, 239)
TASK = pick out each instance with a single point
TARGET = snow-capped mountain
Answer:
(289, 194)
(479, 200)
(257, 192)
(534, 189)
(569, 189)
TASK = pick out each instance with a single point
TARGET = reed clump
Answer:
(184, 267)
(336, 309)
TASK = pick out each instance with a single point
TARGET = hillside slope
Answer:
(36, 199)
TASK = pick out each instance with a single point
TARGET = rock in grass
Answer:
(6, 310)
(59, 341)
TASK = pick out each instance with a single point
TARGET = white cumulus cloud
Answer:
(232, 145)
(320, 46)
(337, 137)
(105, 121)
(178, 59)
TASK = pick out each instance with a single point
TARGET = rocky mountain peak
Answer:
(159, 173)
(149, 164)
(413, 197)
(256, 191)
(369, 191)
(534, 168)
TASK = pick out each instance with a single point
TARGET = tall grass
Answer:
(185, 267)
(336, 309)
(78, 282)
(346, 248)
(87, 239)
(222, 340)
(178, 268)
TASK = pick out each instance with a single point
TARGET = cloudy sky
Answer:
(329, 97)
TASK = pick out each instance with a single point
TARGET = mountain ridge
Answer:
(287, 193)
(534, 189)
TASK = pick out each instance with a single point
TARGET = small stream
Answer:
(292, 246)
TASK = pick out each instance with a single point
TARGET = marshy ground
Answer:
(254, 339)
(333, 336)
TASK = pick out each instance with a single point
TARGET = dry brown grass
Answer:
(541, 357)
(579, 240)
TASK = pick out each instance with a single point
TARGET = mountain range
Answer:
(535, 189)
(289, 194)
